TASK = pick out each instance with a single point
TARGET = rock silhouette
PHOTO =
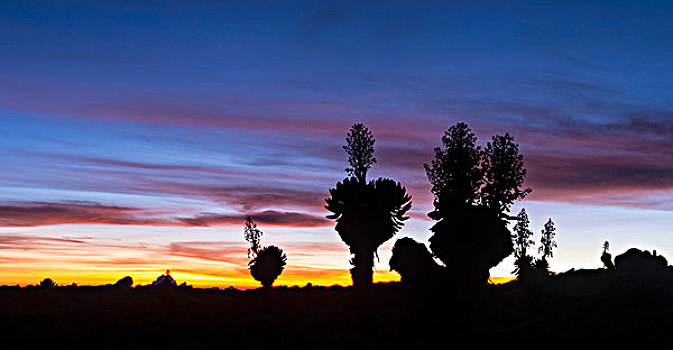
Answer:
(415, 264)
(125, 282)
(635, 259)
(165, 280)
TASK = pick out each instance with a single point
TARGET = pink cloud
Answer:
(42, 214)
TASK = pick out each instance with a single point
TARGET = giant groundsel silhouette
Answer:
(268, 262)
(367, 213)
(473, 190)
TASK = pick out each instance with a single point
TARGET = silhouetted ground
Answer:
(579, 307)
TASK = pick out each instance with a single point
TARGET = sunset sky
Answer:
(136, 137)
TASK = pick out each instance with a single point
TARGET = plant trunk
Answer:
(362, 271)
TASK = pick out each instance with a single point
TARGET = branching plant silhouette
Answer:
(367, 214)
(267, 262)
(473, 190)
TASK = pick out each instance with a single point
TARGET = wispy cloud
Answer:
(43, 214)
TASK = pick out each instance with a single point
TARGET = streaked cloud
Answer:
(44, 214)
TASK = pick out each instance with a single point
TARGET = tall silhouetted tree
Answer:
(547, 244)
(267, 262)
(522, 240)
(367, 213)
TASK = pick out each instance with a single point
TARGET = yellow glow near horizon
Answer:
(243, 281)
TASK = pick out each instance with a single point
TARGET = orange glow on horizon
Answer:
(144, 277)
(28, 259)
(240, 281)
(501, 280)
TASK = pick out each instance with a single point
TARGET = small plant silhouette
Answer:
(522, 240)
(47, 283)
(267, 262)
(606, 258)
(548, 243)
(268, 265)
(360, 149)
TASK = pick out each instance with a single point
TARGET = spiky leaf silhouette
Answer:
(367, 215)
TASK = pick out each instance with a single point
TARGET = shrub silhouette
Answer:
(606, 258)
(367, 214)
(523, 265)
(267, 262)
(267, 265)
(47, 283)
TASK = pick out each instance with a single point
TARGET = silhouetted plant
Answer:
(253, 235)
(470, 240)
(455, 172)
(267, 262)
(47, 283)
(503, 174)
(522, 240)
(367, 213)
(461, 173)
(547, 244)
(606, 258)
(360, 150)
(473, 189)
(267, 265)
